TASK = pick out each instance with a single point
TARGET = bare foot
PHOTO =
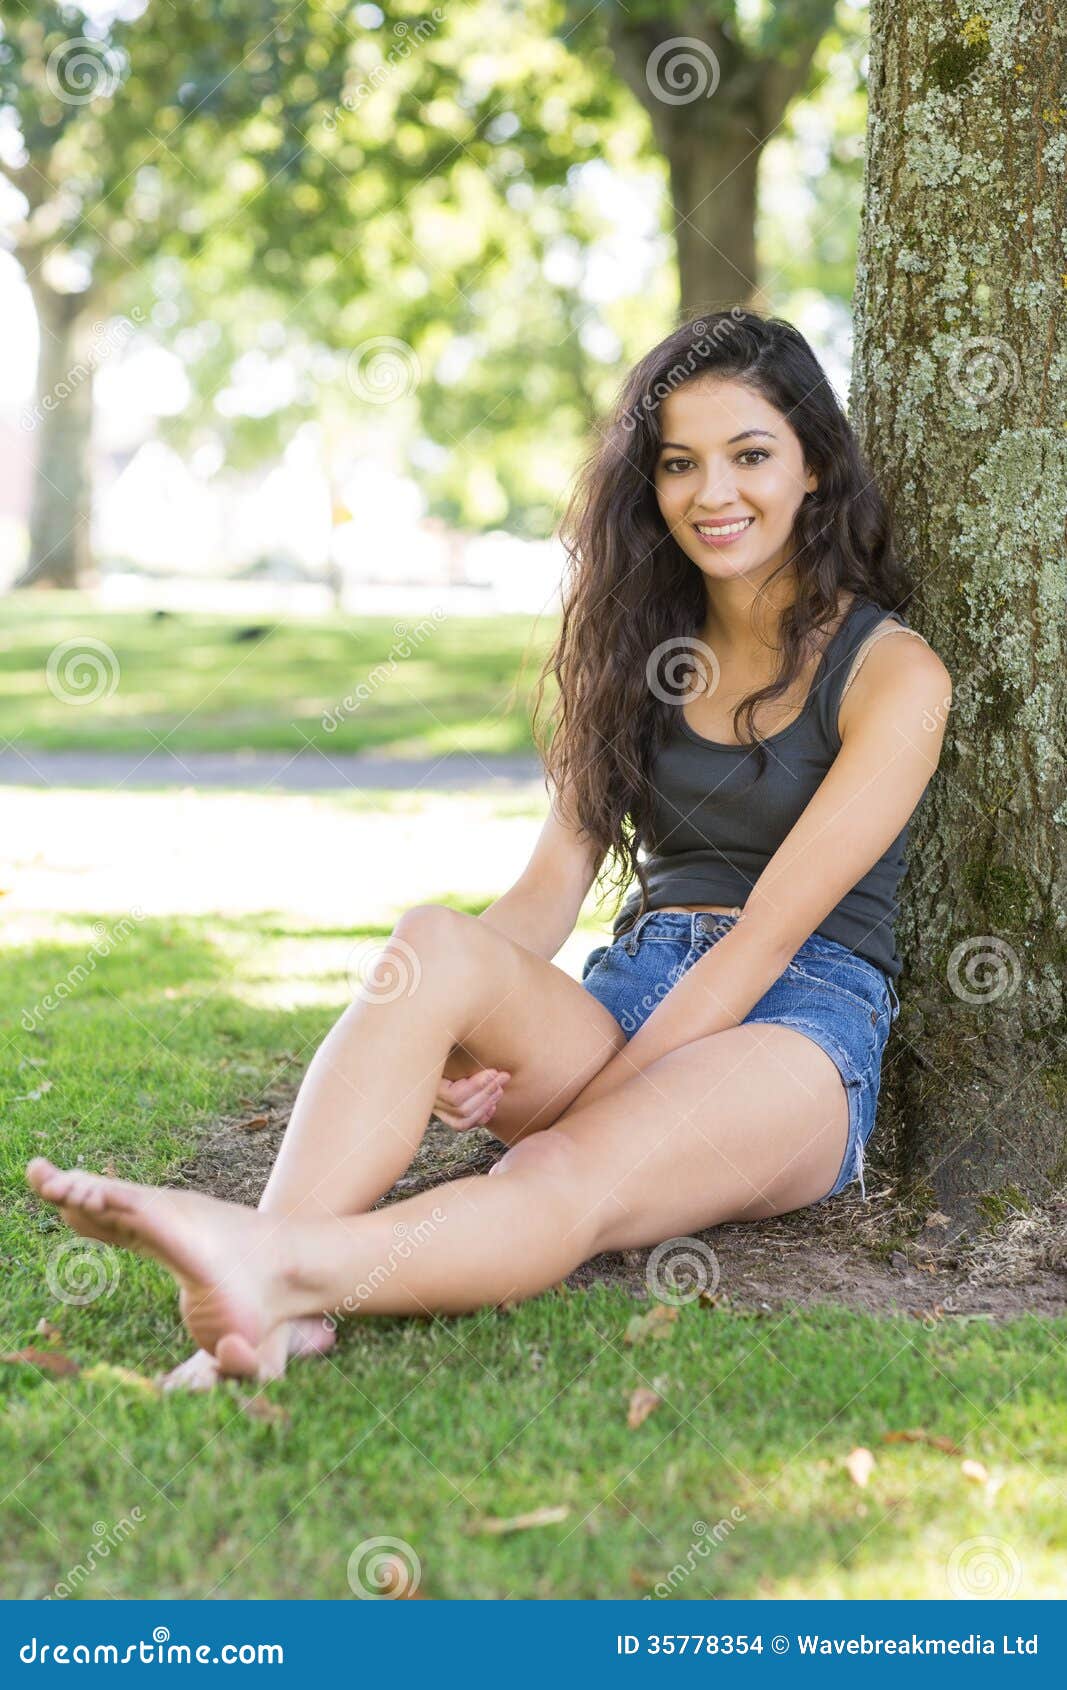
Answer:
(225, 1258)
(308, 1335)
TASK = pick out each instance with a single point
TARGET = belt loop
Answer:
(631, 939)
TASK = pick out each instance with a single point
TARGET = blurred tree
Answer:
(362, 171)
(716, 78)
(958, 387)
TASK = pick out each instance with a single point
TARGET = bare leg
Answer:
(749, 1121)
(362, 1109)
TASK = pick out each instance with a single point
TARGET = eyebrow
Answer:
(744, 435)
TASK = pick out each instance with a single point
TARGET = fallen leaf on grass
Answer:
(519, 1522)
(657, 1323)
(917, 1435)
(104, 1373)
(49, 1361)
(261, 1408)
(642, 1402)
(31, 1096)
(975, 1471)
(860, 1464)
(46, 1329)
(254, 1124)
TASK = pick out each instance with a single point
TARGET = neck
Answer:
(743, 617)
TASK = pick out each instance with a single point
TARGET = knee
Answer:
(550, 1153)
(435, 930)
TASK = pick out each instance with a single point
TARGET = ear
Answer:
(811, 481)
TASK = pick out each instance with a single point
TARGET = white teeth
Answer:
(728, 528)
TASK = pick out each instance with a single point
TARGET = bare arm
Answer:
(890, 746)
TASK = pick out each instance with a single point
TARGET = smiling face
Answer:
(730, 477)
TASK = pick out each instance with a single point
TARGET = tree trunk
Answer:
(712, 104)
(961, 356)
(61, 499)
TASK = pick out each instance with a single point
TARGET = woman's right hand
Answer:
(472, 1101)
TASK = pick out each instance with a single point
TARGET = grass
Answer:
(420, 1430)
(460, 683)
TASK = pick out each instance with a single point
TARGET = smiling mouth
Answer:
(723, 530)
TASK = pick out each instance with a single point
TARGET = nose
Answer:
(718, 490)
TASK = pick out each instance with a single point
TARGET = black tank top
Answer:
(711, 838)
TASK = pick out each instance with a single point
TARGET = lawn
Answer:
(73, 677)
(428, 1432)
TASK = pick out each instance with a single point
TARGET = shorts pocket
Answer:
(847, 982)
(593, 958)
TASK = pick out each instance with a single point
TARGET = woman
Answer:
(731, 568)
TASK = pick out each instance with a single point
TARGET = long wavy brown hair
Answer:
(630, 591)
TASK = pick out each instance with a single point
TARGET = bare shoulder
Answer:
(899, 673)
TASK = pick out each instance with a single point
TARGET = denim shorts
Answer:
(841, 1001)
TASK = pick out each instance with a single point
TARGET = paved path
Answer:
(279, 771)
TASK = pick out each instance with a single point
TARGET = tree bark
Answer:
(958, 396)
(713, 104)
(61, 423)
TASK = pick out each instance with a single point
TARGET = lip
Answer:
(719, 540)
